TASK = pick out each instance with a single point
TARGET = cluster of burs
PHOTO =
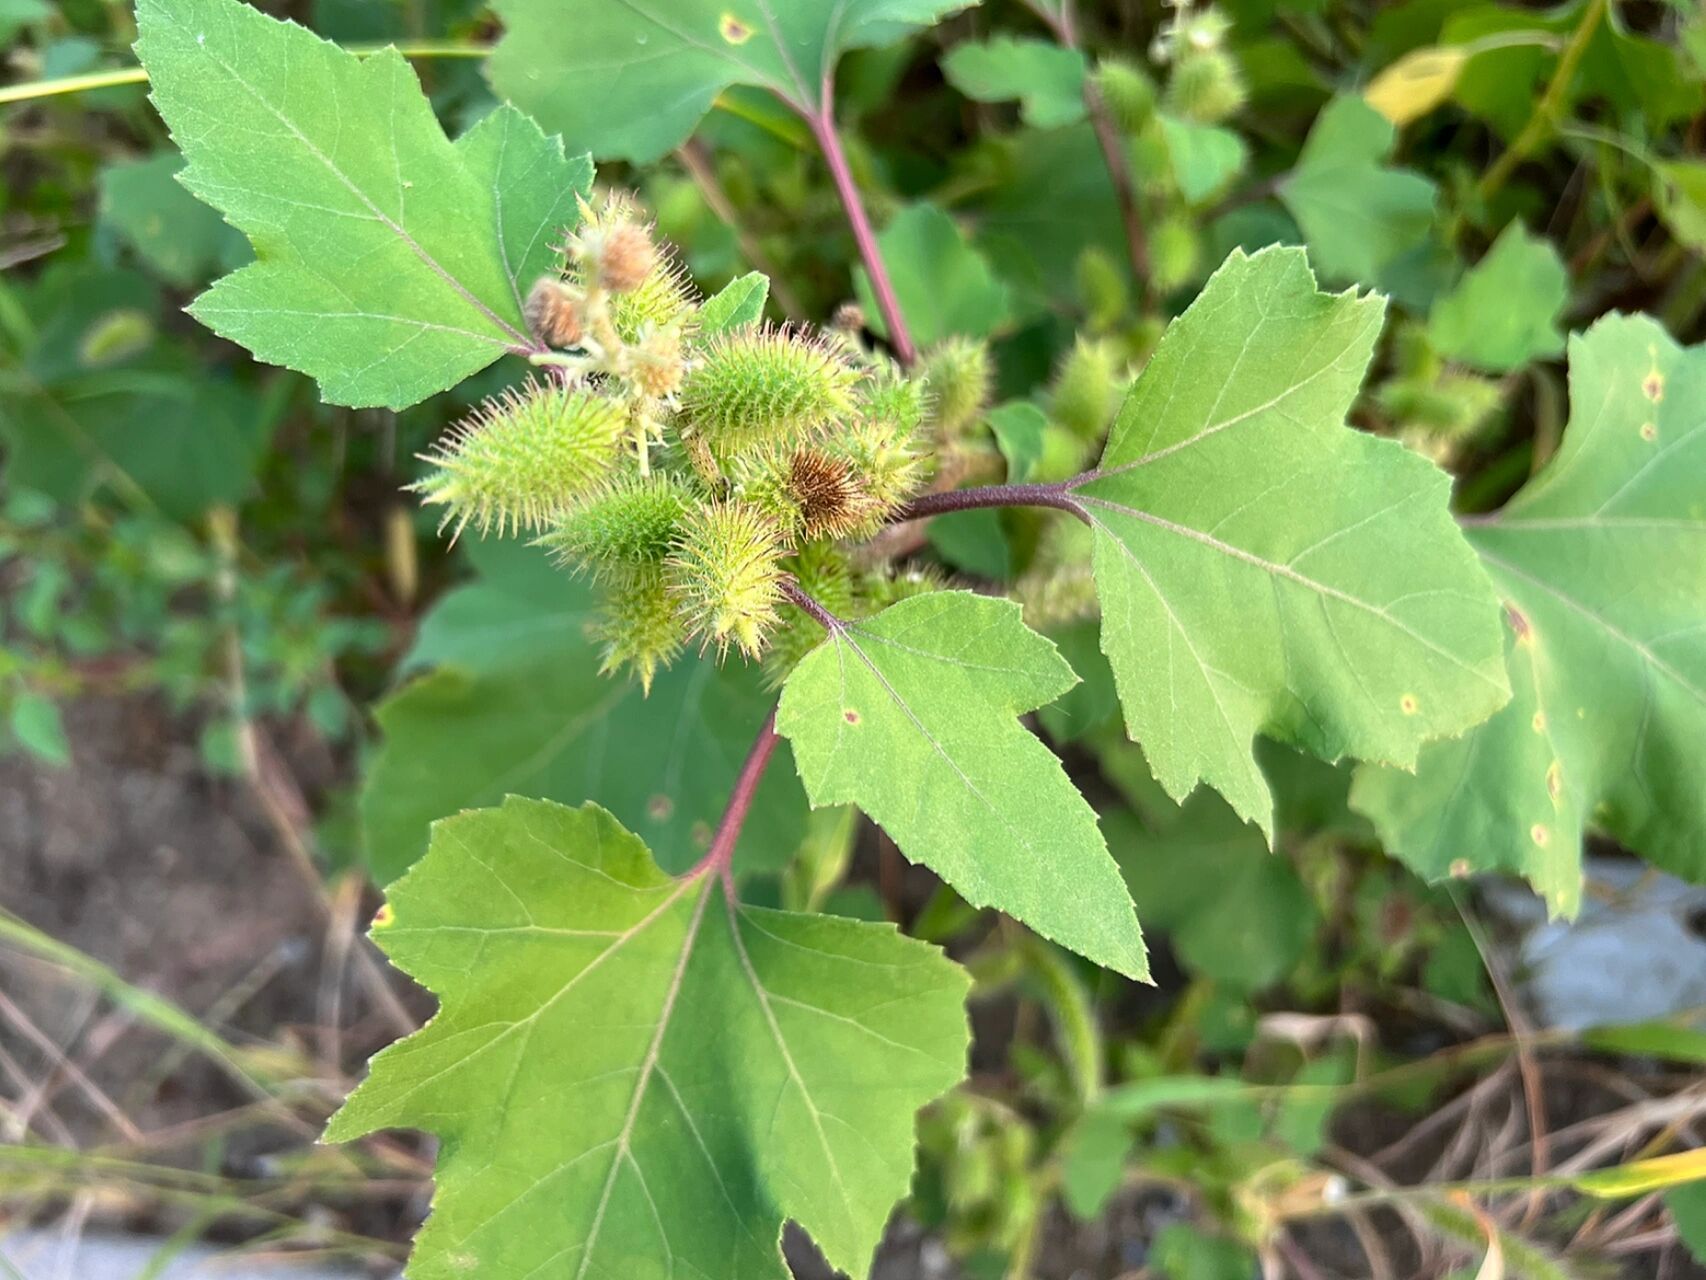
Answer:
(692, 468)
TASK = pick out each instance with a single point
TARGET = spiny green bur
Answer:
(631, 525)
(523, 459)
(958, 377)
(765, 386)
(726, 573)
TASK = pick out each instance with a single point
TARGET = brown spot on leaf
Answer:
(1539, 834)
(383, 916)
(850, 715)
(700, 835)
(1554, 780)
(733, 29)
(1653, 386)
(1459, 867)
(1649, 432)
(659, 808)
(1539, 722)
(1519, 623)
(1407, 704)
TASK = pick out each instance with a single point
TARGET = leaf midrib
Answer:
(419, 250)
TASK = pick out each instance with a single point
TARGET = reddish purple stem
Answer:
(829, 141)
(720, 857)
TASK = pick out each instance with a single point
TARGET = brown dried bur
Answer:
(554, 312)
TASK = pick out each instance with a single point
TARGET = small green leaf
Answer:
(631, 80)
(633, 1075)
(1680, 190)
(944, 286)
(516, 704)
(1045, 78)
(1504, 312)
(1601, 561)
(738, 303)
(973, 542)
(36, 725)
(1358, 216)
(912, 715)
(1235, 912)
(1019, 428)
(1205, 157)
(391, 263)
(1264, 569)
(1687, 1205)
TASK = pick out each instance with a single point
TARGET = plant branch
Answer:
(1549, 110)
(720, 857)
(693, 158)
(823, 128)
(1059, 496)
(1125, 190)
(136, 75)
(807, 604)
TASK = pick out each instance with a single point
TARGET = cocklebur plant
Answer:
(639, 1072)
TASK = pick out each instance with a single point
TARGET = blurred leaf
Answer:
(738, 303)
(1415, 84)
(1205, 157)
(392, 264)
(1687, 1205)
(82, 411)
(972, 542)
(1051, 200)
(36, 724)
(1182, 1252)
(1639, 1177)
(1505, 311)
(944, 285)
(1093, 701)
(629, 81)
(1601, 561)
(1235, 912)
(1019, 427)
(1046, 78)
(516, 705)
(1680, 191)
(1634, 74)
(181, 239)
(1358, 216)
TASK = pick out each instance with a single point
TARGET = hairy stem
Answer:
(800, 598)
(823, 128)
(1059, 496)
(719, 859)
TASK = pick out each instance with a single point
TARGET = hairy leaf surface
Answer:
(391, 263)
(635, 1076)
(516, 704)
(1601, 561)
(1264, 569)
(912, 715)
(630, 79)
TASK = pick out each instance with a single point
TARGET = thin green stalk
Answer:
(31, 90)
(1549, 110)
